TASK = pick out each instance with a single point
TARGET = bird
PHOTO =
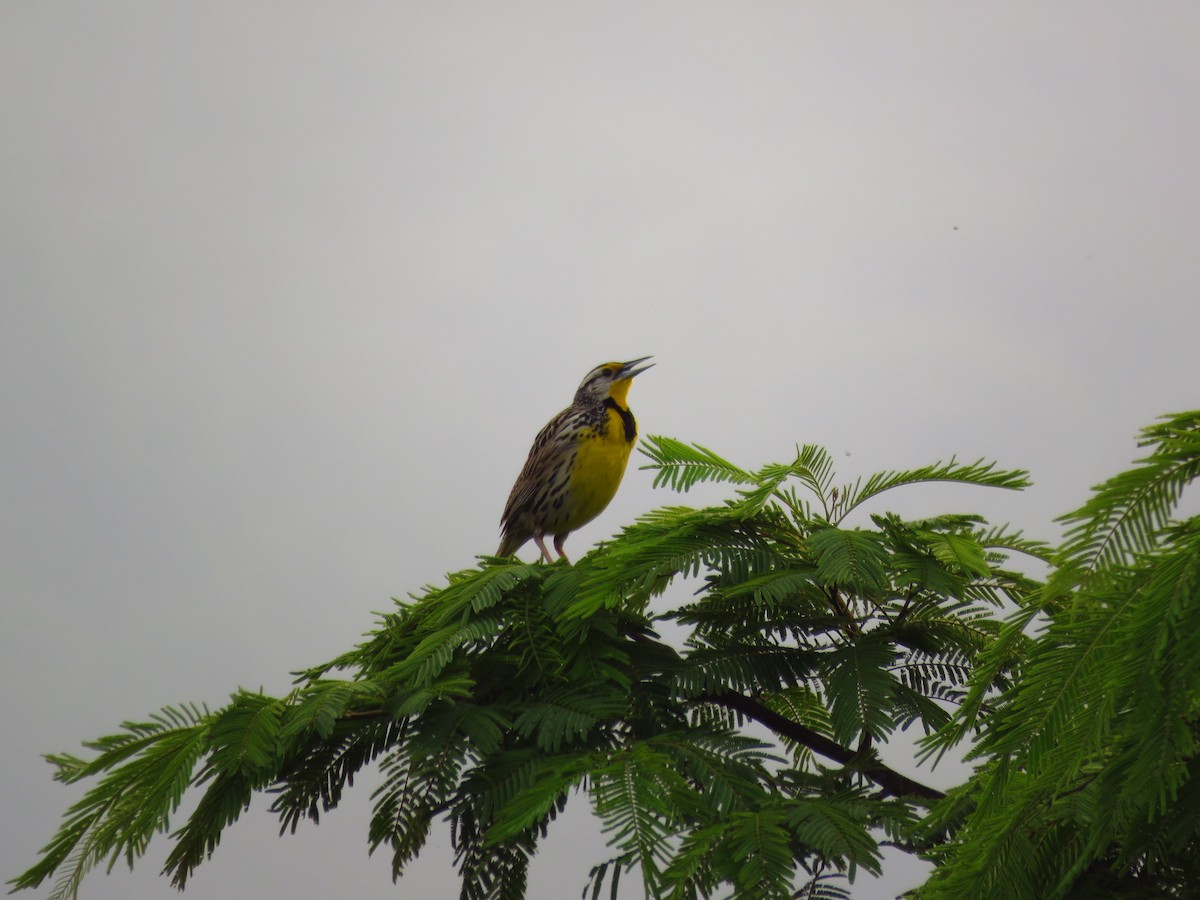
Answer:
(576, 462)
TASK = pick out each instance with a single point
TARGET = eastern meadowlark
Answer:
(576, 462)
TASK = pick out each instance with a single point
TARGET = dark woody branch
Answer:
(890, 780)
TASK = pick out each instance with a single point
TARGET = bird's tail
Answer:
(511, 542)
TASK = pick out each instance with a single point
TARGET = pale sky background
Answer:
(288, 289)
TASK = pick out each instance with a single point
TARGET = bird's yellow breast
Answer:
(600, 460)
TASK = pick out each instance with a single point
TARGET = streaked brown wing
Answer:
(550, 449)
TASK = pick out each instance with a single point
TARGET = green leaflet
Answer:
(143, 774)
(681, 466)
(859, 683)
(851, 559)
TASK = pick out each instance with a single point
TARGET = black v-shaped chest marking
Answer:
(626, 419)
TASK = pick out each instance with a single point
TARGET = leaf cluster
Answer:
(1088, 781)
(491, 701)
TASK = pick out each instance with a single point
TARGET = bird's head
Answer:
(610, 379)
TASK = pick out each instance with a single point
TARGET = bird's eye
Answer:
(607, 373)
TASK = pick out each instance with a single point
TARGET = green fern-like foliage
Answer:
(494, 700)
(1089, 786)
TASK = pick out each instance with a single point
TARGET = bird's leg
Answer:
(559, 540)
(537, 539)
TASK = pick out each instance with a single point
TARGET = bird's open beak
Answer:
(628, 369)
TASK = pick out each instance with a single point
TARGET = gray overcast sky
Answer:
(288, 289)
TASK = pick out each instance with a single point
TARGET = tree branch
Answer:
(890, 780)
